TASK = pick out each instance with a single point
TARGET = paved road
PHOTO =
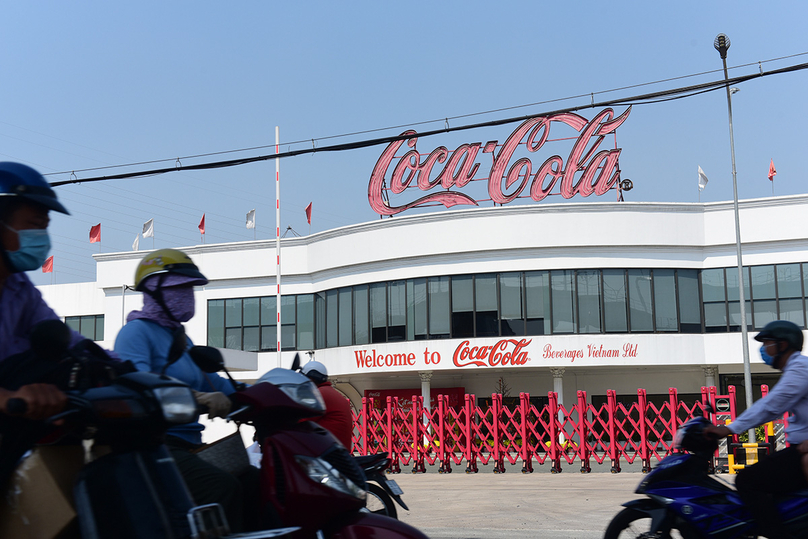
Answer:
(512, 505)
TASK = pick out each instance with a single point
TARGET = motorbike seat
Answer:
(367, 462)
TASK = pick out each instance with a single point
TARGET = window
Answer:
(90, 326)
(486, 312)
(588, 286)
(537, 302)
(689, 312)
(438, 307)
(397, 311)
(665, 315)
(715, 297)
(361, 333)
(416, 310)
(639, 300)
(614, 301)
(789, 292)
(463, 307)
(764, 305)
(378, 312)
(510, 300)
(562, 297)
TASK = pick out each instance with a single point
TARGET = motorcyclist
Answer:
(780, 472)
(167, 278)
(337, 418)
(25, 200)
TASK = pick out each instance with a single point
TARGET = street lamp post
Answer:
(722, 44)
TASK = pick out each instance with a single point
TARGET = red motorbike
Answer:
(308, 479)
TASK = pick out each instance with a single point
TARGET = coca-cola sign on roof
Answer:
(588, 169)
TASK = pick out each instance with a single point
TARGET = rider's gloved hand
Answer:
(218, 404)
(42, 400)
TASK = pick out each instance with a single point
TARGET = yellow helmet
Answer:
(170, 261)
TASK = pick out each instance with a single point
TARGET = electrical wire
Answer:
(649, 98)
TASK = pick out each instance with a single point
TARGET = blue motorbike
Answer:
(683, 500)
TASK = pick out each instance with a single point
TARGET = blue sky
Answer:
(89, 84)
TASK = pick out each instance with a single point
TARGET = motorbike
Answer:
(308, 480)
(381, 491)
(134, 490)
(682, 498)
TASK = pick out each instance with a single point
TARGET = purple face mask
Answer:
(178, 295)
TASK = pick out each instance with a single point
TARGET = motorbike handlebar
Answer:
(16, 407)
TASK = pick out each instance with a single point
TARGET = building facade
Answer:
(533, 298)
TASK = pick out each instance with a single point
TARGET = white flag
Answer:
(148, 229)
(136, 245)
(702, 180)
(251, 219)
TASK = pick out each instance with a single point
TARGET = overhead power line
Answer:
(649, 98)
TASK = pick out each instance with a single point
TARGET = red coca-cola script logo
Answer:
(599, 169)
(505, 352)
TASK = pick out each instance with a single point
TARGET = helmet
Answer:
(169, 262)
(18, 180)
(316, 372)
(782, 330)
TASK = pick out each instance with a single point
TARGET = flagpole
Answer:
(277, 241)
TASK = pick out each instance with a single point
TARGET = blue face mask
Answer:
(767, 359)
(34, 248)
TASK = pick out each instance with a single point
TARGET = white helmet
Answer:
(316, 372)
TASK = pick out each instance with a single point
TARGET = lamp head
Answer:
(722, 44)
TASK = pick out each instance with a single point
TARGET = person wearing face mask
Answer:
(25, 201)
(167, 278)
(781, 472)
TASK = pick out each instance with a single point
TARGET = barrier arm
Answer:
(524, 451)
(614, 446)
(418, 437)
(496, 404)
(642, 404)
(445, 461)
(555, 452)
(583, 432)
(471, 451)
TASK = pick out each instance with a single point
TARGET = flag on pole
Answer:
(251, 219)
(136, 244)
(47, 267)
(308, 212)
(202, 225)
(148, 229)
(772, 171)
(95, 233)
(702, 180)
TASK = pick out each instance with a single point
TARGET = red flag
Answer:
(95, 233)
(47, 267)
(202, 225)
(772, 172)
(308, 213)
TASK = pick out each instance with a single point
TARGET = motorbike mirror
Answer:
(207, 358)
(296, 363)
(708, 408)
(50, 339)
(178, 346)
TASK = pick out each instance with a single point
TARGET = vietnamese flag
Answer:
(95, 233)
(772, 171)
(308, 212)
(202, 225)
(47, 267)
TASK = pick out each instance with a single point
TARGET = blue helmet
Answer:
(18, 180)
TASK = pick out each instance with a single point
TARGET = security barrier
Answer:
(523, 433)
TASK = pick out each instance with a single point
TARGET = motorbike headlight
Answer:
(306, 394)
(177, 403)
(322, 472)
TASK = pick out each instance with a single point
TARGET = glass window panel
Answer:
(319, 320)
(269, 312)
(762, 282)
(251, 336)
(331, 318)
(689, 305)
(715, 317)
(561, 287)
(588, 301)
(416, 309)
(361, 334)
(397, 311)
(732, 284)
(639, 298)
(789, 282)
(232, 313)
(614, 301)
(735, 315)
(462, 306)
(99, 327)
(305, 322)
(791, 310)
(438, 307)
(665, 300)
(251, 311)
(73, 322)
(269, 339)
(537, 302)
(712, 284)
(288, 336)
(378, 312)
(233, 338)
(765, 312)
(216, 323)
(287, 310)
(87, 327)
(345, 317)
(485, 297)
(511, 309)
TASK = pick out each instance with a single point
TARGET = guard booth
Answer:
(743, 454)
